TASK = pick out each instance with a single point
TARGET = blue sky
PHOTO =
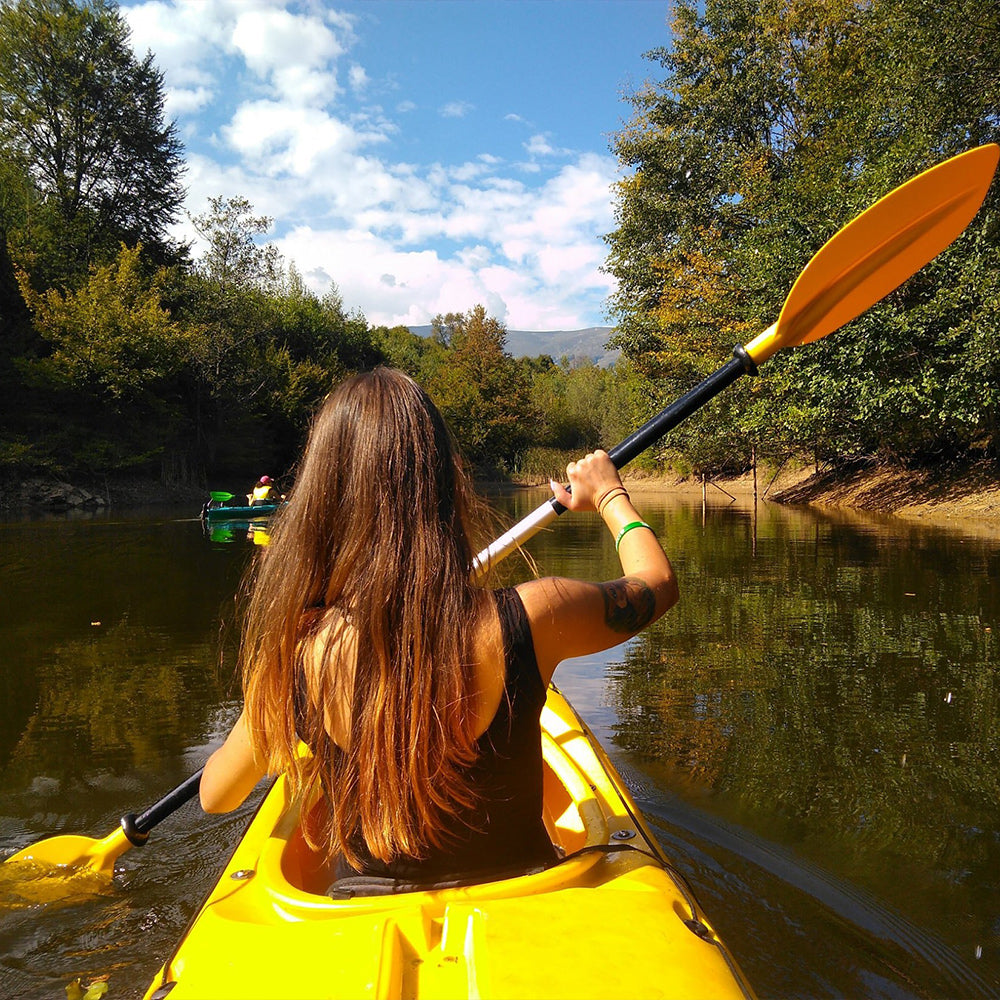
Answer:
(422, 155)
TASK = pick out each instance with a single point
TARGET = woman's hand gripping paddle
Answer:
(859, 266)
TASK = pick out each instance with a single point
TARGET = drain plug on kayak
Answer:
(623, 835)
(242, 874)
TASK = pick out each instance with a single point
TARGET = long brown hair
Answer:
(375, 537)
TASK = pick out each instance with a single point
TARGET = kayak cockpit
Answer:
(574, 816)
(611, 919)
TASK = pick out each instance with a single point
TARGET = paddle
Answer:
(861, 264)
(75, 853)
(220, 496)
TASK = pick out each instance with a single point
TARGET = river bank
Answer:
(50, 494)
(964, 496)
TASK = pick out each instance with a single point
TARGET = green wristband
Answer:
(628, 527)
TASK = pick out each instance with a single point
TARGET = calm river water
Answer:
(814, 733)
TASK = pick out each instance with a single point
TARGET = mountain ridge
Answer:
(587, 343)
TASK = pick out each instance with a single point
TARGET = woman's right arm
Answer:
(231, 772)
(573, 617)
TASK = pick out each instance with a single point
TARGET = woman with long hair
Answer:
(417, 691)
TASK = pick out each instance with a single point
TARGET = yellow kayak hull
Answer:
(611, 920)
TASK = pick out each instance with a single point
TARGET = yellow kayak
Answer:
(612, 919)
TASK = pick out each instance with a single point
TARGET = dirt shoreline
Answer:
(965, 497)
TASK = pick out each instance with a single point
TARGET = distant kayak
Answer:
(215, 514)
(219, 508)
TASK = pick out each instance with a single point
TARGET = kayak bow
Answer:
(612, 919)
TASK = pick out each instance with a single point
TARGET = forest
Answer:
(763, 128)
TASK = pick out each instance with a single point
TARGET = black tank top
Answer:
(504, 831)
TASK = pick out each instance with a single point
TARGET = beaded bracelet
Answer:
(628, 527)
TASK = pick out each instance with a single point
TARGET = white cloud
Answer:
(186, 101)
(357, 77)
(539, 145)
(185, 37)
(296, 53)
(276, 139)
(530, 256)
(402, 240)
(456, 109)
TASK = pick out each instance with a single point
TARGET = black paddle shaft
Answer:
(668, 418)
(137, 827)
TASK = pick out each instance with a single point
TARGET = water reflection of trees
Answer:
(116, 645)
(840, 681)
(126, 698)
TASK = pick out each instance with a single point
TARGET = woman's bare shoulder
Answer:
(548, 593)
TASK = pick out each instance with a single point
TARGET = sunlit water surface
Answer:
(814, 734)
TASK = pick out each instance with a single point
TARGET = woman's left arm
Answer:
(231, 772)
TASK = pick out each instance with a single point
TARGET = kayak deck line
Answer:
(611, 919)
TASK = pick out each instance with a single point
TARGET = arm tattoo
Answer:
(629, 604)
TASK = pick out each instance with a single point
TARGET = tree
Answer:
(778, 122)
(86, 119)
(233, 257)
(16, 198)
(116, 361)
(272, 347)
(482, 391)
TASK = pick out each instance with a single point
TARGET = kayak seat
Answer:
(372, 885)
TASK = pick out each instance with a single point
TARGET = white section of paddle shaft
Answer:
(528, 526)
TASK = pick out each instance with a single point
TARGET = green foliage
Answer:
(481, 390)
(777, 123)
(111, 337)
(114, 357)
(85, 119)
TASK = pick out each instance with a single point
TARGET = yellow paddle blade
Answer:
(26, 886)
(880, 249)
(75, 854)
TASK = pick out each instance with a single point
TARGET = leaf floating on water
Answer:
(94, 990)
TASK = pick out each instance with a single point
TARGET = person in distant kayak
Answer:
(262, 492)
(417, 690)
